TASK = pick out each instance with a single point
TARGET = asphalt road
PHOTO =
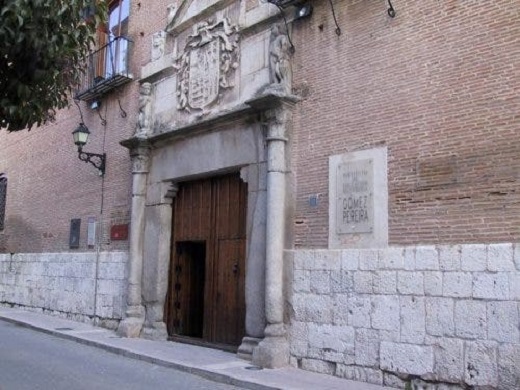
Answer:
(37, 361)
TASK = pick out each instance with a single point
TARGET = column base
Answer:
(132, 325)
(272, 352)
(245, 351)
(157, 331)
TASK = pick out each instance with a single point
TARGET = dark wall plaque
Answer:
(75, 229)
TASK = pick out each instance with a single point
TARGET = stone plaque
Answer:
(355, 200)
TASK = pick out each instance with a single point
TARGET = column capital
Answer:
(140, 158)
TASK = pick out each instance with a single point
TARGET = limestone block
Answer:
(368, 259)
(439, 317)
(302, 281)
(363, 282)
(426, 258)
(342, 281)
(360, 374)
(341, 309)
(299, 336)
(449, 359)
(509, 366)
(253, 56)
(471, 319)
(457, 285)
(318, 366)
(319, 309)
(491, 286)
(449, 257)
(303, 259)
(350, 259)
(407, 358)
(114, 271)
(480, 363)
(384, 282)
(514, 286)
(367, 347)
(516, 255)
(299, 307)
(329, 260)
(409, 259)
(503, 322)
(385, 312)
(500, 257)
(393, 381)
(359, 311)
(332, 338)
(433, 283)
(391, 258)
(473, 258)
(410, 283)
(413, 319)
(320, 282)
(84, 285)
(251, 83)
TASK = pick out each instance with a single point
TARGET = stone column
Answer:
(273, 350)
(157, 251)
(134, 315)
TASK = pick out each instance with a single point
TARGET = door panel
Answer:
(212, 211)
(230, 305)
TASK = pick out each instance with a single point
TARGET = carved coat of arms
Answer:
(207, 64)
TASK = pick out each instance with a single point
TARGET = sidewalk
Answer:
(212, 364)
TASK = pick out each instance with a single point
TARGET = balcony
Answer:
(107, 68)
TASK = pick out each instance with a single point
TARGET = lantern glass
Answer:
(80, 135)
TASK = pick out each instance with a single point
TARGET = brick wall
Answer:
(438, 85)
(48, 185)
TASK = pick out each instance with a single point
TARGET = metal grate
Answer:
(3, 192)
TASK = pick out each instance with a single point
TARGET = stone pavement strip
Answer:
(209, 363)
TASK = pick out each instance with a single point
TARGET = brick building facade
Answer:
(375, 234)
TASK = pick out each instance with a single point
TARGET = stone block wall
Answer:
(64, 284)
(435, 315)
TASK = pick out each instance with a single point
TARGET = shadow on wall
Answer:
(19, 237)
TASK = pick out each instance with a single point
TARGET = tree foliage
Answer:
(43, 45)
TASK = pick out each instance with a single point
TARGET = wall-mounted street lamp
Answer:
(80, 139)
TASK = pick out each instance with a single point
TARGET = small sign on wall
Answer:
(91, 232)
(75, 230)
(358, 199)
(119, 232)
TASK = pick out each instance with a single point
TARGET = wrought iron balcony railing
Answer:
(107, 68)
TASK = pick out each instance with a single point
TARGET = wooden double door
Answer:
(206, 294)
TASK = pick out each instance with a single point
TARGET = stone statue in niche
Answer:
(144, 118)
(207, 65)
(280, 59)
(158, 43)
